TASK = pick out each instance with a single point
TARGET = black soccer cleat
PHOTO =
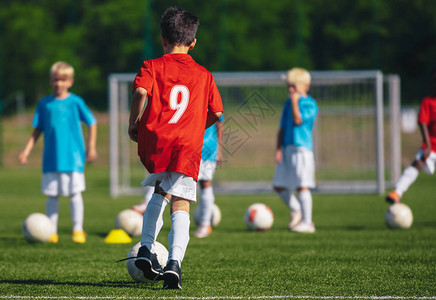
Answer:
(172, 276)
(147, 262)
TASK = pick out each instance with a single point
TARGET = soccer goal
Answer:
(356, 137)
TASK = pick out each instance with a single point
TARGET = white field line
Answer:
(224, 297)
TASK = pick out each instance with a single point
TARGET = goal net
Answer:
(356, 134)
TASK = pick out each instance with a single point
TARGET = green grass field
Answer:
(351, 255)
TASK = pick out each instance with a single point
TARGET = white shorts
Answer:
(297, 169)
(174, 183)
(429, 163)
(62, 184)
(207, 169)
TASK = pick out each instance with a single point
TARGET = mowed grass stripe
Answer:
(224, 297)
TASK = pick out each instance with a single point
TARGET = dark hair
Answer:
(178, 26)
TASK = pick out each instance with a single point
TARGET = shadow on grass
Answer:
(113, 284)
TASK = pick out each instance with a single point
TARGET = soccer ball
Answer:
(399, 215)
(137, 274)
(130, 221)
(37, 227)
(216, 215)
(259, 217)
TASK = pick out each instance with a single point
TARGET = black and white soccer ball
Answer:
(130, 221)
(259, 217)
(399, 216)
(137, 274)
(37, 227)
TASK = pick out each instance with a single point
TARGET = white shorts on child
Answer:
(207, 169)
(296, 170)
(62, 183)
(429, 163)
(174, 183)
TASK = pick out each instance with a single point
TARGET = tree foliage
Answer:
(102, 37)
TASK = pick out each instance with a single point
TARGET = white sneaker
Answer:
(203, 231)
(295, 218)
(304, 227)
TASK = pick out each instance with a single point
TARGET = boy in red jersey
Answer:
(183, 100)
(425, 159)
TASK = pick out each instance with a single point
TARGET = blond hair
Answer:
(298, 75)
(63, 69)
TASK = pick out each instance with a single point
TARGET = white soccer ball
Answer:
(216, 215)
(130, 221)
(37, 227)
(259, 217)
(399, 215)
(137, 274)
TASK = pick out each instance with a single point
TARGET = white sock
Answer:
(207, 199)
(77, 211)
(294, 203)
(52, 212)
(178, 237)
(408, 177)
(305, 198)
(148, 194)
(153, 221)
(290, 200)
(285, 197)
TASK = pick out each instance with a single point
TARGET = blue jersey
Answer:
(299, 135)
(60, 121)
(210, 143)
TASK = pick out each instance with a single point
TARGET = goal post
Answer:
(356, 136)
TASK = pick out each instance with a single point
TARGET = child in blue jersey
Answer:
(59, 117)
(295, 170)
(210, 156)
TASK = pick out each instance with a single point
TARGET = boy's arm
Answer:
(212, 118)
(29, 146)
(219, 131)
(91, 152)
(138, 101)
(426, 139)
(278, 155)
(296, 115)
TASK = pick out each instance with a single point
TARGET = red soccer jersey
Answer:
(427, 115)
(171, 130)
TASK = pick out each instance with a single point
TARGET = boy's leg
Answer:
(52, 212)
(306, 225)
(153, 220)
(305, 199)
(292, 202)
(181, 191)
(178, 240)
(77, 213)
(140, 207)
(408, 177)
(207, 199)
(151, 226)
(410, 174)
(288, 198)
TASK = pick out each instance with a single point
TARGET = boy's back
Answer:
(171, 130)
(299, 135)
(427, 115)
(182, 101)
(60, 120)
